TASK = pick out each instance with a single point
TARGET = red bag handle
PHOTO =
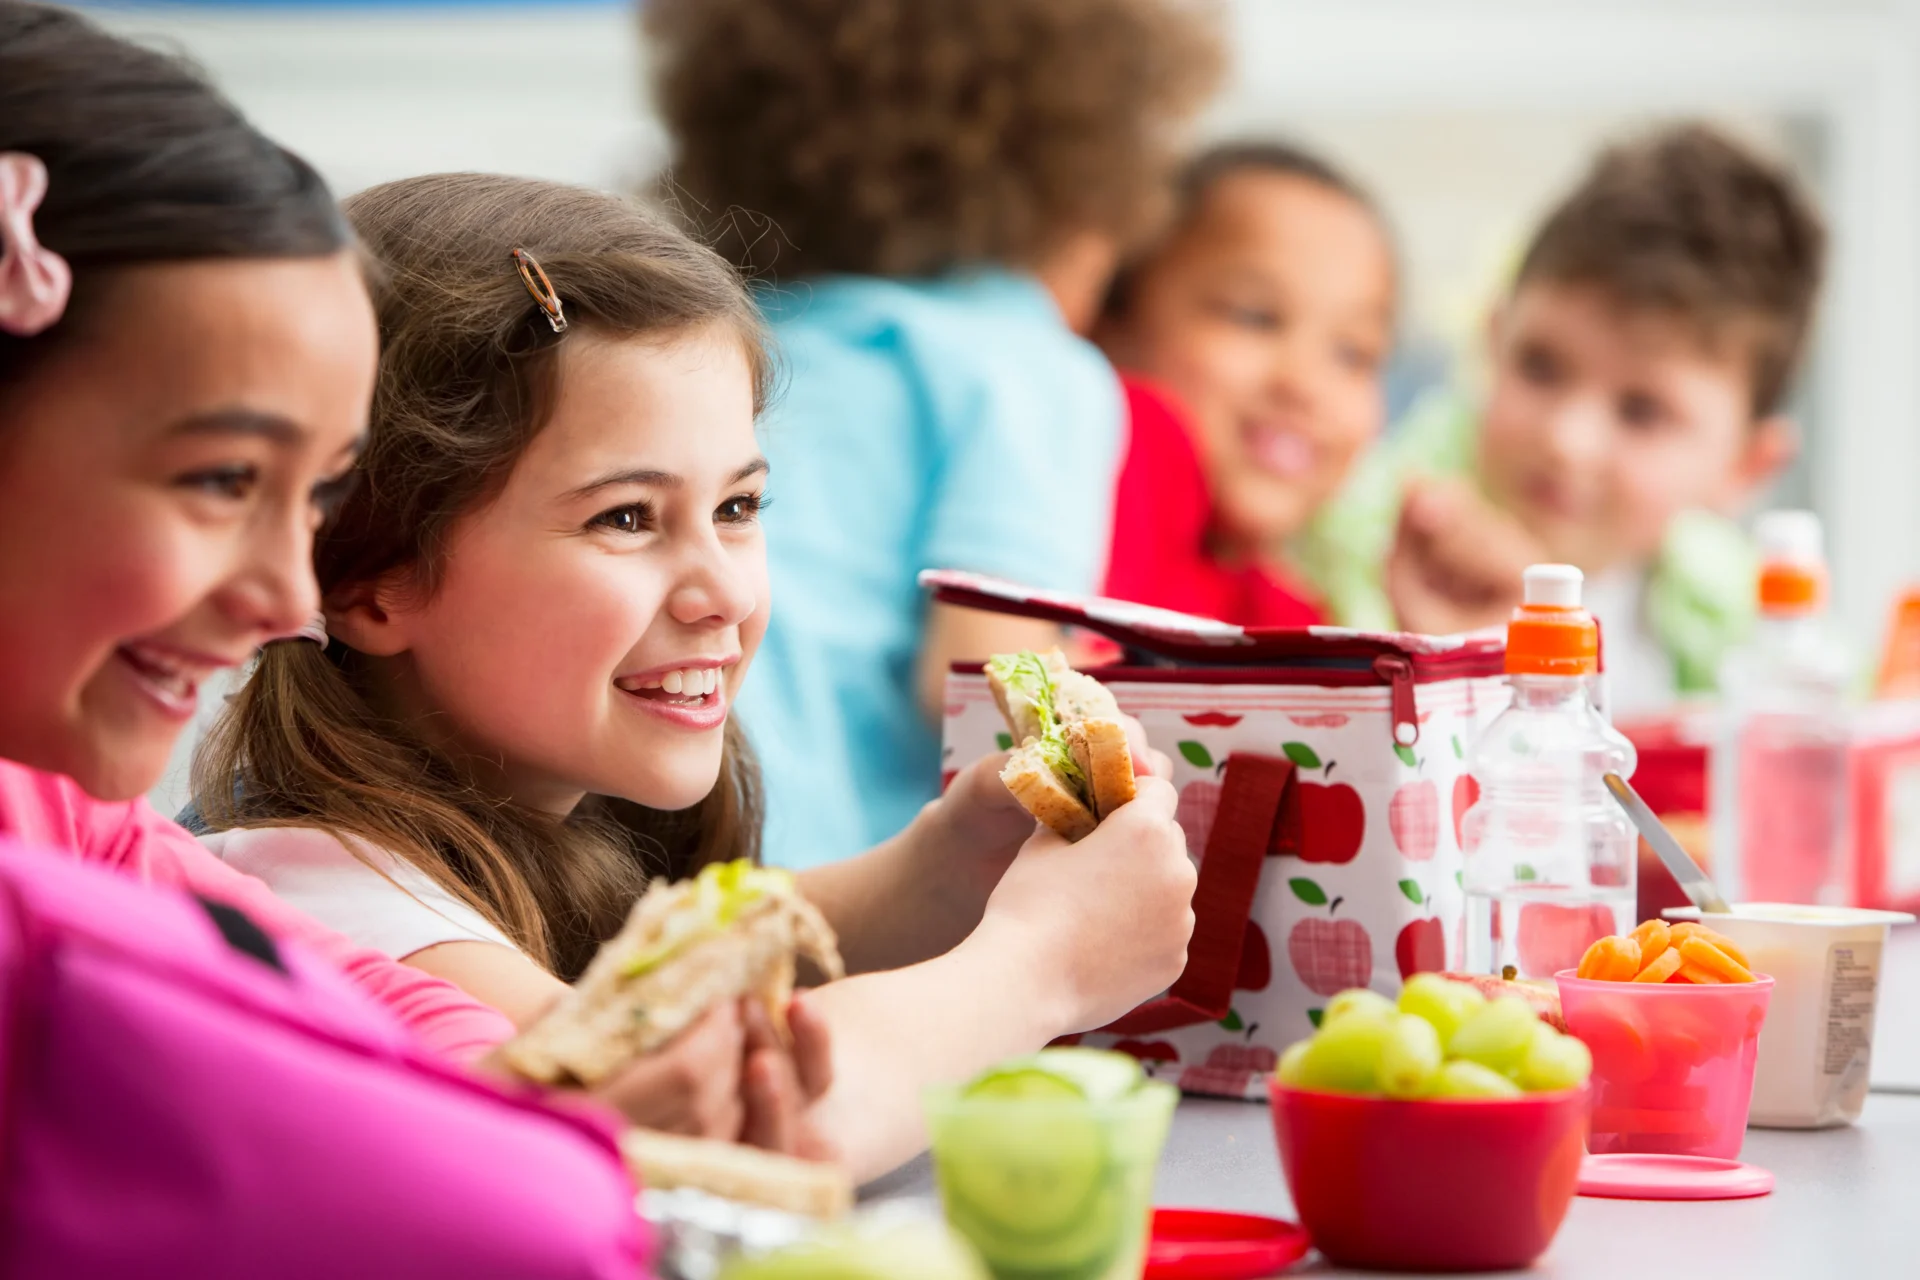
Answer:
(1256, 791)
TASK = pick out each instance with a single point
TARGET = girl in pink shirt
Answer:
(186, 357)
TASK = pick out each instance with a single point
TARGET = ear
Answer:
(371, 618)
(1772, 443)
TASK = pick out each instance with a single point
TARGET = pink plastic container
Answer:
(1672, 1062)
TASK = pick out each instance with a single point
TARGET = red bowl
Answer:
(1466, 1184)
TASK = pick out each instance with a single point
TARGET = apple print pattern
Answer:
(1371, 829)
(1328, 955)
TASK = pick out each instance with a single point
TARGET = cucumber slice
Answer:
(1083, 1249)
(1024, 1169)
(1096, 1075)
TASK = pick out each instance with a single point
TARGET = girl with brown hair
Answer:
(540, 602)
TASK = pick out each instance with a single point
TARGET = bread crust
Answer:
(737, 1172)
(1101, 749)
(1039, 789)
(610, 1017)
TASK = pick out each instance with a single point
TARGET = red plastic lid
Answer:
(1656, 1177)
(1200, 1244)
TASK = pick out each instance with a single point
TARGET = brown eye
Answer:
(632, 518)
(742, 508)
(234, 482)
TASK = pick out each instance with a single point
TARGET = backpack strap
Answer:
(241, 933)
(1256, 791)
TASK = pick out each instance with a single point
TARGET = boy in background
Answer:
(1639, 367)
(932, 197)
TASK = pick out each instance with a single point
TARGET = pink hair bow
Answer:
(34, 280)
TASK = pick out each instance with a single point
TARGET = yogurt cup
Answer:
(1816, 1046)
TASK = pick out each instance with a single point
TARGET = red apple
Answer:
(1553, 937)
(946, 779)
(1333, 821)
(1220, 1083)
(1148, 1051)
(1466, 793)
(1414, 817)
(1199, 803)
(1242, 1057)
(1421, 948)
(1256, 961)
(1331, 955)
(1543, 996)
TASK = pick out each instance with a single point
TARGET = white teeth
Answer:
(671, 682)
(713, 679)
(685, 682)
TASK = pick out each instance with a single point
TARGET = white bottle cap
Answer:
(1555, 585)
(1789, 537)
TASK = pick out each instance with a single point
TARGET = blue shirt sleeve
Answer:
(1027, 457)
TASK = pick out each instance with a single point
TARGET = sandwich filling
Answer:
(714, 899)
(1027, 680)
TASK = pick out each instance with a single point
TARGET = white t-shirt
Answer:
(1640, 675)
(381, 902)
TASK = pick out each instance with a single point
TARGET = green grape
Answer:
(1554, 1061)
(1356, 1000)
(1410, 1058)
(1463, 1079)
(1444, 1003)
(1289, 1069)
(1497, 1035)
(1345, 1056)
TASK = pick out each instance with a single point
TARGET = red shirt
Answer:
(1162, 516)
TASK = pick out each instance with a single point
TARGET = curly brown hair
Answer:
(909, 137)
(1689, 222)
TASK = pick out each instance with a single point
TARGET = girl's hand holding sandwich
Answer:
(921, 893)
(729, 1077)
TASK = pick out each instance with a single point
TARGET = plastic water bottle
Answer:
(1780, 787)
(1550, 857)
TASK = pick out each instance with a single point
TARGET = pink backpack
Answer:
(181, 1096)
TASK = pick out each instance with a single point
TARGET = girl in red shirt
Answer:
(1251, 341)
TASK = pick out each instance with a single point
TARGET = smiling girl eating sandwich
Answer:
(541, 600)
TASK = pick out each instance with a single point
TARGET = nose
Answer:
(272, 590)
(716, 585)
(1577, 430)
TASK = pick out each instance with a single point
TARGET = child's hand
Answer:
(1108, 917)
(728, 1077)
(981, 826)
(782, 1081)
(693, 1084)
(1456, 561)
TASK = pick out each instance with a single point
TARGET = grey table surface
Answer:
(1846, 1202)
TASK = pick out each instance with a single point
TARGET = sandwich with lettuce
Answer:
(1072, 765)
(733, 930)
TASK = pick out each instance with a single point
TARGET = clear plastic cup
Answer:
(1046, 1187)
(1672, 1062)
(1817, 1045)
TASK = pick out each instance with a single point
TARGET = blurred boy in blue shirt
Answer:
(932, 197)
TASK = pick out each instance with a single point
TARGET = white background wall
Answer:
(1466, 116)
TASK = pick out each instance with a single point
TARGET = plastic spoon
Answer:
(1693, 881)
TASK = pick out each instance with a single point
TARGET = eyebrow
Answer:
(242, 422)
(658, 479)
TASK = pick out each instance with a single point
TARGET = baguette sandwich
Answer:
(733, 930)
(665, 1161)
(1073, 765)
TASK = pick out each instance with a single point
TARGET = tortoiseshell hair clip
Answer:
(542, 289)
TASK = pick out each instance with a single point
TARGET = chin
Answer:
(114, 771)
(668, 790)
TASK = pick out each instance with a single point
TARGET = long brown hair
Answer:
(146, 163)
(467, 378)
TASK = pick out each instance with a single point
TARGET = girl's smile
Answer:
(691, 694)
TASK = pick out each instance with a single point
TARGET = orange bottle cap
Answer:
(1791, 588)
(1550, 634)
